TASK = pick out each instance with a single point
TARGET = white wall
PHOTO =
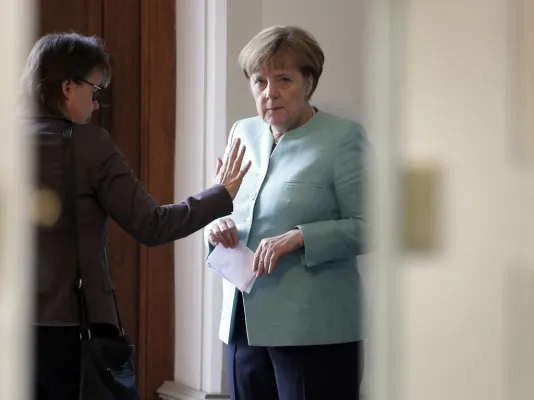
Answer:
(212, 95)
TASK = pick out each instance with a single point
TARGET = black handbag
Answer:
(107, 371)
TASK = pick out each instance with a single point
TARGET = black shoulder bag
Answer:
(107, 371)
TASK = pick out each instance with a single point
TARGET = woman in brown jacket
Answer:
(64, 76)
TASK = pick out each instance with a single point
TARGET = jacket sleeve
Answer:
(349, 236)
(125, 199)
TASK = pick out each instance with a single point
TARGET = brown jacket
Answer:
(106, 186)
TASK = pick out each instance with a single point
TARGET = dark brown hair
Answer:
(58, 57)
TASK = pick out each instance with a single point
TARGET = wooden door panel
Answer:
(158, 131)
(121, 32)
(83, 16)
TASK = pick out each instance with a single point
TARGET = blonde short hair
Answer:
(274, 45)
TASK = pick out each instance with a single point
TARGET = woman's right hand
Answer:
(223, 231)
(229, 173)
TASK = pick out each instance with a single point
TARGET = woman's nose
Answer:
(96, 105)
(272, 91)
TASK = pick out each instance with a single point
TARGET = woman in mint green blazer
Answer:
(298, 334)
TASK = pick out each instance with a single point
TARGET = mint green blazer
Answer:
(314, 180)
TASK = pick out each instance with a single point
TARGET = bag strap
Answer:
(85, 331)
(85, 326)
(68, 151)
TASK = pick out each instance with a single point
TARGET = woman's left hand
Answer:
(271, 249)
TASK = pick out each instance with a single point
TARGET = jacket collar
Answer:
(37, 110)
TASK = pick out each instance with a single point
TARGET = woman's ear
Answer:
(308, 85)
(66, 88)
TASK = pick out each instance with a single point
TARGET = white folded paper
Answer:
(234, 265)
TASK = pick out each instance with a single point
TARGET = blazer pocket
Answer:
(302, 202)
(295, 184)
(107, 284)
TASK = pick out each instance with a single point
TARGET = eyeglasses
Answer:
(96, 94)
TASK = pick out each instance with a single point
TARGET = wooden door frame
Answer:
(158, 129)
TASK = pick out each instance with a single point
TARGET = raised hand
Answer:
(229, 173)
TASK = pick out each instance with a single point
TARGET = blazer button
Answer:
(248, 221)
(253, 196)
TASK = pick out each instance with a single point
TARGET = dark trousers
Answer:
(58, 358)
(292, 373)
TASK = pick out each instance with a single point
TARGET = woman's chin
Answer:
(274, 121)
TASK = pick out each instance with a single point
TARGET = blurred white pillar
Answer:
(460, 325)
(16, 30)
(381, 60)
